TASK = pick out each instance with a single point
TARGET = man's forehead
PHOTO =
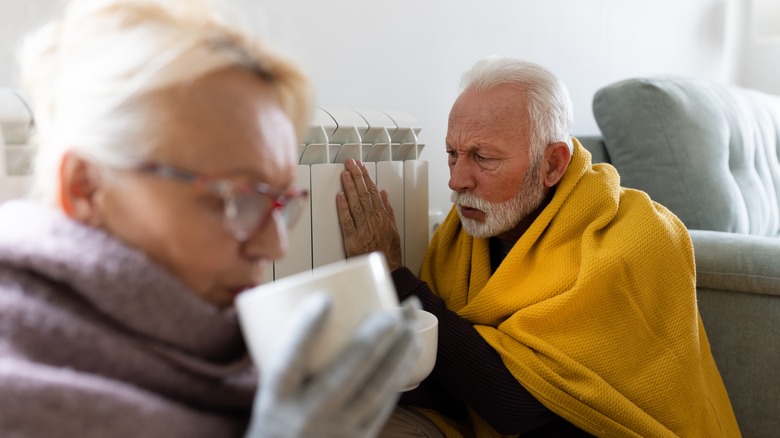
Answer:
(485, 133)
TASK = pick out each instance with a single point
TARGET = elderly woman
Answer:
(165, 187)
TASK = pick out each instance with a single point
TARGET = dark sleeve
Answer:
(469, 369)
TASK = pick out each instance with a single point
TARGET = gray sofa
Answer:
(709, 152)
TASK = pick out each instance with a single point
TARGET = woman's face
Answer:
(228, 124)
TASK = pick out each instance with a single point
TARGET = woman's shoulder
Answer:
(46, 400)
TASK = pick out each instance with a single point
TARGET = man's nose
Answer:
(461, 176)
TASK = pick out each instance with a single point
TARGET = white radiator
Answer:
(387, 142)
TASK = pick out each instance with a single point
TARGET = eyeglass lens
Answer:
(246, 212)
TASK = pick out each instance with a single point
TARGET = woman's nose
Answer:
(269, 241)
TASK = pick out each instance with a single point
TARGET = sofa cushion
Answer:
(707, 151)
(595, 145)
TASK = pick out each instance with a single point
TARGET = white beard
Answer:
(503, 216)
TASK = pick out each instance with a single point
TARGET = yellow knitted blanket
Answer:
(593, 311)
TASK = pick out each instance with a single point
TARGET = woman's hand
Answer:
(352, 397)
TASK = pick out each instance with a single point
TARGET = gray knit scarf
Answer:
(97, 340)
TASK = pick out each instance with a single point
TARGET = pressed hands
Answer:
(366, 217)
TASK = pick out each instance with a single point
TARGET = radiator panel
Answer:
(387, 142)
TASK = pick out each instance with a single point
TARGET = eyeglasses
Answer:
(246, 206)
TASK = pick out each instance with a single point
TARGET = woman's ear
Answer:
(556, 158)
(79, 189)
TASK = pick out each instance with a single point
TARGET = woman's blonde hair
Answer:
(89, 71)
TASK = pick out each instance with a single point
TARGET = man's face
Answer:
(496, 182)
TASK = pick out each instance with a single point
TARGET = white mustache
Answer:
(469, 200)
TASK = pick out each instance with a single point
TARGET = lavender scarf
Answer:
(97, 340)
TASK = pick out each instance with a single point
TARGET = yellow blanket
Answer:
(593, 310)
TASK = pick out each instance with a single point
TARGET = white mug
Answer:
(357, 287)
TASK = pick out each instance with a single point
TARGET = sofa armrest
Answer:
(737, 262)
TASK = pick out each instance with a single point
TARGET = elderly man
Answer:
(566, 303)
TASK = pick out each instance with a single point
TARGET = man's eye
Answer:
(483, 159)
(487, 163)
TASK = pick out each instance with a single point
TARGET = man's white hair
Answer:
(549, 104)
(89, 72)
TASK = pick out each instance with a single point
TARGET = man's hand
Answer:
(367, 219)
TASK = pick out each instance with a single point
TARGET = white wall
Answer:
(17, 18)
(409, 54)
(760, 66)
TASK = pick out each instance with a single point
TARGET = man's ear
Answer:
(556, 160)
(79, 188)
